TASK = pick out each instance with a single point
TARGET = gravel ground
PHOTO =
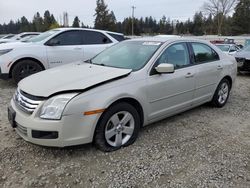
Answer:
(204, 147)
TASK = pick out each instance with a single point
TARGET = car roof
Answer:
(224, 44)
(86, 29)
(168, 39)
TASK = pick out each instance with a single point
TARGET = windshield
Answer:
(8, 36)
(42, 36)
(127, 55)
(247, 49)
(224, 48)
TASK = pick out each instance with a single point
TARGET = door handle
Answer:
(189, 75)
(219, 67)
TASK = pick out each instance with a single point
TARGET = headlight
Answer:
(2, 52)
(53, 108)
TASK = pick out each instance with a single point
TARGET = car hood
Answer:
(72, 77)
(243, 54)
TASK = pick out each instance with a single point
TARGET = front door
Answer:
(171, 93)
(65, 48)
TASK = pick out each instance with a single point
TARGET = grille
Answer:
(22, 130)
(26, 104)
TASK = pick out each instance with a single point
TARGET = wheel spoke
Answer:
(128, 130)
(127, 117)
(115, 119)
(118, 140)
(225, 90)
(110, 133)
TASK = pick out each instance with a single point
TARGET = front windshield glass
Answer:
(42, 36)
(127, 55)
(224, 48)
(247, 49)
(8, 37)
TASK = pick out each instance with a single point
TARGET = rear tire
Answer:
(221, 94)
(118, 127)
(24, 69)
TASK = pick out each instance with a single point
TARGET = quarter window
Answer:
(93, 37)
(203, 53)
(177, 54)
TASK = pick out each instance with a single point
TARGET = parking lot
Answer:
(204, 147)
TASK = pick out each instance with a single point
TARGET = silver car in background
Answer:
(107, 99)
(229, 49)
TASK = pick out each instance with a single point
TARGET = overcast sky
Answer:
(85, 9)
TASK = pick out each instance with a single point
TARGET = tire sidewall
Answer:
(17, 68)
(99, 137)
(216, 95)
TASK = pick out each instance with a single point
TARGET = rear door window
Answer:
(203, 53)
(93, 37)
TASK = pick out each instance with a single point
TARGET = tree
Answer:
(102, 15)
(48, 20)
(198, 24)
(219, 9)
(76, 22)
(112, 21)
(37, 22)
(241, 17)
(25, 25)
(104, 19)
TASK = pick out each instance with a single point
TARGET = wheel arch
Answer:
(25, 58)
(229, 79)
(135, 103)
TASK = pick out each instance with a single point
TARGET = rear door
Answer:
(208, 69)
(94, 43)
(65, 48)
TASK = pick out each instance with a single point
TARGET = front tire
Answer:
(24, 69)
(221, 94)
(118, 127)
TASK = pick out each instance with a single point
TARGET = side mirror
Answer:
(165, 68)
(232, 50)
(53, 42)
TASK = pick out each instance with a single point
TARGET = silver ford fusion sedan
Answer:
(130, 85)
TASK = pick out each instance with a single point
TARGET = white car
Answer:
(8, 36)
(53, 48)
(229, 49)
(128, 86)
(15, 38)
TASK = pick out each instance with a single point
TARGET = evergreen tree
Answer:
(198, 24)
(241, 18)
(48, 20)
(112, 21)
(76, 22)
(37, 22)
(103, 17)
(24, 24)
